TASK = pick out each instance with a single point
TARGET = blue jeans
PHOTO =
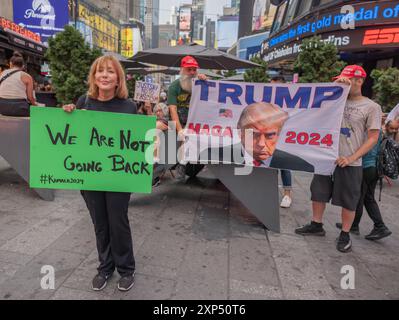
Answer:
(287, 179)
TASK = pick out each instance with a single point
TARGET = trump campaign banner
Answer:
(283, 126)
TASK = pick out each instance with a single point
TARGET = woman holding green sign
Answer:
(109, 210)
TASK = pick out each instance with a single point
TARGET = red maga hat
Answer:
(189, 62)
(353, 71)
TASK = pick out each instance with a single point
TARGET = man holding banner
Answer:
(179, 97)
(359, 133)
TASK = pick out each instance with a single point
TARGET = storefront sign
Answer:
(7, 24)
(367, 16)
(343, 40)
(25, 43)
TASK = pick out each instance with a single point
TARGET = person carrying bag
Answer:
(16, 89)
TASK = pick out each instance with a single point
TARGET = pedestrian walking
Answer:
(367, 199)
(179, 96)
(109, 210)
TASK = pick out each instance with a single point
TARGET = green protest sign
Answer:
(90, 150)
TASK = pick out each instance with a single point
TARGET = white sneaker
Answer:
(286, 202)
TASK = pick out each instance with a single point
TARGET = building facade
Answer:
(198, 10)
(151, 22)
(373, 36)
(369, 35)
(210, 34)
(6, 9)
(118, 10)
(167, 34)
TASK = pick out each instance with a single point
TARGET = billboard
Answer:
(263, 14)
(250, 46)
(105, 33)
(127, 42)
(227, 31)
(44, 17)
(185, 19)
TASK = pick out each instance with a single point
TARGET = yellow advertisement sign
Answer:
(127, 42)
(105, 32)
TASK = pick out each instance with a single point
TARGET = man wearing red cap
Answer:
(179, 95)
(360, 129)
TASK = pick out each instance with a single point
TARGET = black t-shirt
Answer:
(113, 105)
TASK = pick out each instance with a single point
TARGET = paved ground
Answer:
(192, 240)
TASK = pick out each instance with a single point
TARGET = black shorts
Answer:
(343, 188)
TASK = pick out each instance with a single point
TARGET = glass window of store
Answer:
(304, 7)
(292, 6)
(323, 2)
(279, 19)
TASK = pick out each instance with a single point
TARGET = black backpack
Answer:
(388, 160)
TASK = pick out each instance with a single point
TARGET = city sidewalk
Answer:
(192, 240)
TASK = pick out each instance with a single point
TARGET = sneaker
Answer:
(378, 233)
(99, 282)
(353, 230)
(311, 229)
(344, 244)
(286, 202)
(126, 283)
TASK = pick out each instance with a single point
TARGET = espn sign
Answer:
(381, 36)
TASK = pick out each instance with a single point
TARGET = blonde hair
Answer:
(121, 90)
(263, 113)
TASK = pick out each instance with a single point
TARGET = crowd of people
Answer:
(351, 187)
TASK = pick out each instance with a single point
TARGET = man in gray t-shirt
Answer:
(360, 129)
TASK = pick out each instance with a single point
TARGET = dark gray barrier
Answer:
(257, 191)
(14, 148)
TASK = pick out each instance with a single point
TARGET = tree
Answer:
(70, 59)
(318, 61)
(229, 73)
(258, 74)
(386, 87)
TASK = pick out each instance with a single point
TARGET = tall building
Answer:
(6, 9)
(235, 4)
(174, 15)
(198, 9)
(167, 33)
(210, 34)
(151, 22)
(118, 10)
(137, 9)
(246, 12)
